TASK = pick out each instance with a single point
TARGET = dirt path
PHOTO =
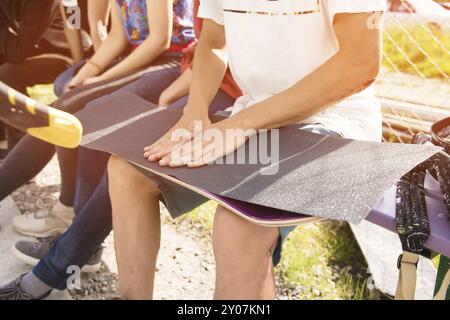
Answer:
(185, 268)
(185, 264)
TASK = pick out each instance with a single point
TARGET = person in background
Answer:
(33, 48)
(129, 39)
(37, 45)
(92, 31)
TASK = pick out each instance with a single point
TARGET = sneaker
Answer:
(32, 252)
(43, 225)
(14, 291)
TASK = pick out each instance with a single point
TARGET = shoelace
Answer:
(48, 242)
(13, 291)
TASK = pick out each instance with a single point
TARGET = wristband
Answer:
(100, 69)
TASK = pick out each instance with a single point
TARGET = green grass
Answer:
(320, 260)
(399, 46)
(324, 259)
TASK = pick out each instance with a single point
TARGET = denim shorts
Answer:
(180, 200)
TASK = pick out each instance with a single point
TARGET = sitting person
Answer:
(299, 62)
(81, 244)
(30, 50)
(131, 22)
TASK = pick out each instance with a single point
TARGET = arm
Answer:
(351, 70)
(210, 65)
(209, 68)
(73, 37)
(16, 47)
(98, 16)
(178, 89)
(160, 18)
(111, 48)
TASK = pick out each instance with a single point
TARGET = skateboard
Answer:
(318, 176)
(39, 120)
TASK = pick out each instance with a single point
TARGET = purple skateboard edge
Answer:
(383, 214)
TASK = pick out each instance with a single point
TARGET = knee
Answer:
(124, 177)
(238, 242)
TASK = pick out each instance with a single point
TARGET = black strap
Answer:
(412, 223)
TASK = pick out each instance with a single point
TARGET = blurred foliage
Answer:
(418, 45)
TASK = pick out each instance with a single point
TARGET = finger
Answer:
(149, 154)
(162, 141)
(197, 164)
(178, 156)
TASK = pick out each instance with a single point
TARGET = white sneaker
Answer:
(45, 224)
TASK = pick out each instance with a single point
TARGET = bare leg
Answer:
(137, 228)
(243, 253)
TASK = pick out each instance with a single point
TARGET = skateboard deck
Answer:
(318, 176)
(39, 120)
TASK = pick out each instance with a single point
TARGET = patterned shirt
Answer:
(135, 20)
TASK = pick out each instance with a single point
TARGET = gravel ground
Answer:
(185, 268)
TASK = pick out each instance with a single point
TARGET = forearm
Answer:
(98, 14)
(335, 80)
(210, 66)
(141, 57)
(178, 89)
(75, 44)
(111, 49)
(73, 37)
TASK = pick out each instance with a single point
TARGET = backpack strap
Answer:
(407, 278)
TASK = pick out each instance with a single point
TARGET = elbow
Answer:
(373, 69)
(367, 70)
(163, 42)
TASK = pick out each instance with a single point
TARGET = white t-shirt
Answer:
(274, 44)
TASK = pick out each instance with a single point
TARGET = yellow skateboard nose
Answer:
(64, 130)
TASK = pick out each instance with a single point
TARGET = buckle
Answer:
(399, 262)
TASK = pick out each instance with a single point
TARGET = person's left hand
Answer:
(214, 142)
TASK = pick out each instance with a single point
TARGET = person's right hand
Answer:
(76, 82)
(166, 144)
(86, 72)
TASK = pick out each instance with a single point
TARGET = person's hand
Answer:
(76, 82)
(88, 71)
(182, 131)
(213, 142)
